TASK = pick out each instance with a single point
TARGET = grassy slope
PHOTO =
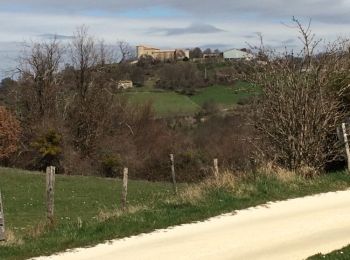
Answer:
(161, 208)
(224, 95)
(166, 103)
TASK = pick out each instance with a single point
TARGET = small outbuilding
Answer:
(125, 84)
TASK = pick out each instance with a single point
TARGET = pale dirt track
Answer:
(293, 229)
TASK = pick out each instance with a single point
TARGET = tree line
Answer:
(72, 116)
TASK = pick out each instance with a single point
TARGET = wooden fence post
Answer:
(50, 190)
(173, 176)
(2, 220)
(346, 141)
(216, 168)
(125, 189)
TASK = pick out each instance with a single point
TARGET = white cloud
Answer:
(236, 21)
(335, 11)
(27, 26)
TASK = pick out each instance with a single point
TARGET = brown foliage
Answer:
(90, 118)
(227, 138)
(180, 76)
(9, 133)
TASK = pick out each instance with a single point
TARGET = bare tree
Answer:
(106, 54)
(207, 51)
(84, 58)
(39, 68)
(196, 53)
(301, 102)
(126, 51)
(91, 107)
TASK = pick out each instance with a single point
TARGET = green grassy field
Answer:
(227, 96)
(168, 103)
(152, 206)
(165, 103)
(24, 193)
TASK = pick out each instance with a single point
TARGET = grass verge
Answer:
(87, 208)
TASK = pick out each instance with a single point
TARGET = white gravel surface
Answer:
(293, 229)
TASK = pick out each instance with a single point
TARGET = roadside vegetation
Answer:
(88, 208)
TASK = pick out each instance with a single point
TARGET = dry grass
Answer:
(104, 215)
(40, 228)
(308, 172)
(271, 170)
(193, 193)
(233, 182)
(11, 239)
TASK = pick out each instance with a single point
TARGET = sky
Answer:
(168, 23)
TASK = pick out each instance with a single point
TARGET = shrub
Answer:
(9, 133)
(210, 107)
(48, 146)
(180, 76)
(111, 165)
(191, 165)
(227, 138)
(299, 109)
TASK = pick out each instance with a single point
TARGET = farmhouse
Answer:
(162, 55)
(234, 54)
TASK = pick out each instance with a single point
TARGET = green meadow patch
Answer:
(165, 103)
(169, 103)
(227, 96)
(87, 209)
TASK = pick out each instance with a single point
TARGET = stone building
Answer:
(162, 55)
(125, 84)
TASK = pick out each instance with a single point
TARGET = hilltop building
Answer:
(213, 55)
(162, 55)
(236, 54)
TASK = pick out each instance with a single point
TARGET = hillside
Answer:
(170, 103)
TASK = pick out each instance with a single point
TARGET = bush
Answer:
(230, 139)
(299, 109)
(48, 146)
(180, 76)
(111, 165)
(191, 165)
(9, 133)
(210, 108)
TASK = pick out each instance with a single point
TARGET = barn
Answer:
(234, 54)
